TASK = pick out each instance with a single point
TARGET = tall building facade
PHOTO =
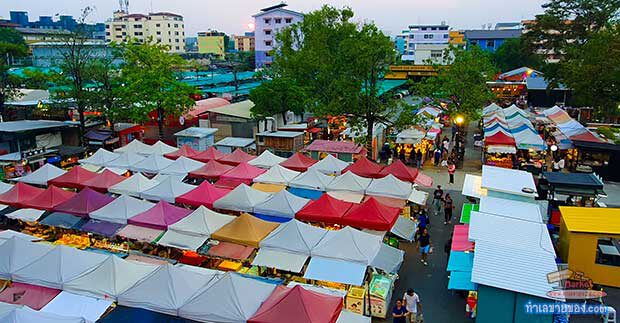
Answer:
(162, 27)
(267, 24)
(19, 17)
(212, 42)
(423, 43)
(490, 39)
(245, 43)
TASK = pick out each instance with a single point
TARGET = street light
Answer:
(459, 120)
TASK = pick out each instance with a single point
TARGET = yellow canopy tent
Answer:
(268, 188)
(245, 230)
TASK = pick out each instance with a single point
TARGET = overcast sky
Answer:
(233, 16)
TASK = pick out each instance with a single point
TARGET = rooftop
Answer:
(240, 109)
(281, 134)
(346, 147)
(197, 132)
(493, 34)
(591, 219)
(235, 142)
(30, 125)
(508, 181)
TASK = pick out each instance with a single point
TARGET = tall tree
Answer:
(462, 85)
(513, 53)
(277, 97)
(12, 45)
(104, 95)
(149, 83)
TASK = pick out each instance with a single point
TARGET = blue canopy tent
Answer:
(306, 193)
(130, 314)
(64, 220)
(460, 266)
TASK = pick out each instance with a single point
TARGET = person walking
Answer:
(447, 208)
(411, 301)
(418, 158)
(437, 155)
(437, 199)
(558, 164)
(424, 245)
(399, 312)
(451, 170)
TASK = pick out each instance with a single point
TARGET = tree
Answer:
(513, 53)
(149, 83)
(277, 97)
(462, 85)
(104, 94)
(199, 65)
(12, 45)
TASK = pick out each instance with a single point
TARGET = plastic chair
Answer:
(610, 316)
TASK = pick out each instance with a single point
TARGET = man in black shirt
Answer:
(424, 245)
(437, 199)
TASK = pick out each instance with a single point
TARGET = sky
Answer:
(233, 16)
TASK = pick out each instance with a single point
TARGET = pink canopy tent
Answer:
(84, 202)
(237, 157)
(365, 168)
(73, 178)
(49, 199)
(19, 193)
(205, 194)
(160, 216)
(460, 238)
(211, 171)
(185, 151)
(103, 181)
(243, 173)
(35, 297)
(208, 155)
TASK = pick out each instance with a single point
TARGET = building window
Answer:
(157, 25)
(608, 252)
(428, 36)
(278, 20)
(267, 20)
(411, 36)
(176, 25)
(436, 54)
(177, 47)
(267, 31)
(176, 40)
(433, 28)
(176, 33)
(107, 26)
(490, 43)
(137, 33)
(137, 26)
(268, 42)
(107, 33)
(168, 25)
(159, 40)
(158, 32)
(288, 20)
(124, 33)
(473, 42)
(445, 36)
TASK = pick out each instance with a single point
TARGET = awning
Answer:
(461, 280)
(28, 215)
(282, 260)
(68, 304)
(404, 228)
(418, 197)
(466, 211)
(501, 149)
(139, 233)
(339, 271)
(472, 186)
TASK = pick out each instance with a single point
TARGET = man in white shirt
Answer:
(558, 165)
(411, 301)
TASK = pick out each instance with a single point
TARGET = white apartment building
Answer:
(423, 42)
(162, 27)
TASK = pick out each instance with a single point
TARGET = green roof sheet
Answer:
(466, 211)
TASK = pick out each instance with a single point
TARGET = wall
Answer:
(211, 45)
(167, 30)
(48, 56)
(490, 45)
(498, 305)
(582, 257)
(264, 40)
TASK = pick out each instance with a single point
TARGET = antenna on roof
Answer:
(124, 6)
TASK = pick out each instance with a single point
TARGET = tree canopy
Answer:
(513, 53)
(12, 45)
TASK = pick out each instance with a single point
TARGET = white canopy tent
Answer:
(195, 229)
(126, 160)
(161, 148)
(42, 175)
(418, 197)
(60, 265)
(168, 288)
(4, 187)
(16, 253)
(100, 158)
(132, 186)
(282, 260)
(330, 165)
(135, 146)
(233, 298)
(167, 190)
(8, 234)
(388, 259)
(281, 204)
(72, 305)
(472, 186)
(28, 215)
(115, 170)
(277, 175)
(350, 317)
(352, 197)
(26, 314)
(390, 186)
(410, 136)
(336, 270)
(121, 209)
(349, 182)
(111, 278)
(266, 160)
(348, 244)
(182, 166)
(312, 180)
(152, 164)
(511, 208)
(404, 228)
(491, 108)
(243, 198)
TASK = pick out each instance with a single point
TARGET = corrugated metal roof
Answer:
(492, 34)
(28, 125)
(472, 186)
(591, 219)
(239, 109)
(514, 268)
(510, 181)
(235, 142)
(197, 132)
(281, 134)
(510, 208)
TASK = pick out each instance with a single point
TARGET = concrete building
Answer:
(19, 18)
(490, 40)
(245, 43)
(456, 38)
(49, 54)
(212, 42)
(267, 24)
(163, 27)
(191, 44)
(424, 42)
(508, 25)
(36, 35)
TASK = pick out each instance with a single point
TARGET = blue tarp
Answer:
(495, 126)
(271, 218)
(128, 314)
(461, 280)
(460, 261)
(103, 228)
(306, 193)
(64, 220)
(338, 271)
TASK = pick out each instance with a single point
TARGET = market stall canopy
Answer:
(326, 209)
(506, 207)
(135, 146)
(32, 296)
(160, 216)
(350, 182)
(282, 260)
(388, 259)
(410, 136)
(491, 108)
(152, 164)
(236, 157)
(266, 160)
(4, 187)
(102, 228)
(63, 220)
(242, 173)
(349, 244)
(182, 166)
(511, 231)
(210, 154)
(472, 186)
(305, 305)
(573, 183)
(418, 197)
(460, 238)
(312, 180)
(121, 209)
(295, 237)
(401, 171)
(48, 199)
(192, 231)
(347, 316)
(245, 230)
(243, 198)
(84, 202)
(430, 112)
(18, 253)
(389, 186)
(73, 178)
(282, 205)
(365, 168)
(111, 278)
(42, 175)
(205, 194)
(8, 234)
(330, 165)
(161, 148)
(128, 160)
(133, 186)
(167, 190)
(130, 314)
(211, 170)
(277, 175)
(26, 314)
(232, 298)
(298, 162)
(59, 266)
(528, 139)
(168, 288)
(103, 181)
(347, 196)
(371, 215)
(184, 151)
(73, 305)
(139, 233)
(508, 181)
(336, 270)
(100, 158)
(404, 228)
(499, 138)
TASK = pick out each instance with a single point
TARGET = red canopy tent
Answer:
(460, 238)
(243, 173)
(160, 216)
(586, 136)
(19, 193)
(298, 162)
(208, 155)
(211, 171)
(73, 178)
(237, 157)
(185, 151)
(205, 194)
(103, 181)
(371, 215)
(33, 296)
(48, 199)
(499, 138)
(365, 168)
(400, 171)
(304, 305)
(326, 209)
(84, 202)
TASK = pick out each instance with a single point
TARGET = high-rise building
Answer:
(424, 43)
(162, 27)
(212, 42)
(19, 17)
(245, 43)
(267, 24)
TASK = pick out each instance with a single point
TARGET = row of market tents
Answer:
(62, 284)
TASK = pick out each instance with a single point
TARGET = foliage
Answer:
(610, 133)
(462, 85)
(513, 53)
(198, 65)
(149, 83)
(103, 95)
(277, 97)
(37, 79)
(12, 45)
